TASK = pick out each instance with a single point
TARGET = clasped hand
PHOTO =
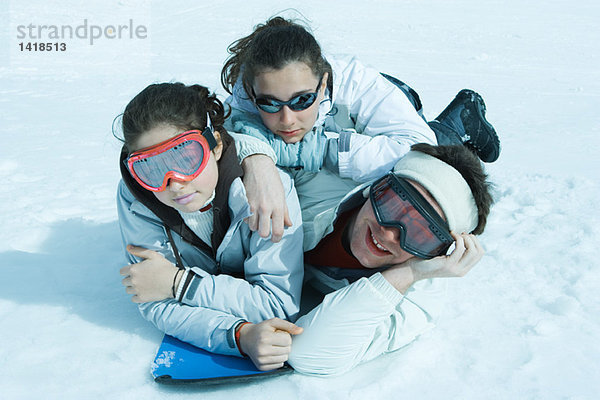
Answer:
(269, 343)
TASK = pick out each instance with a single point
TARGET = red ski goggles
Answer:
(182, 157)
(398, 204)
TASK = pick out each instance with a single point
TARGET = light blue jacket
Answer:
(372, 122)
(217, 301)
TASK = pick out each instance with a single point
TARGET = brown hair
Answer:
(184, 107)
(464, 161)
(272, 45)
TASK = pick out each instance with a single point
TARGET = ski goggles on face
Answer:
(182, 157)
(398, 204)
(296, 103)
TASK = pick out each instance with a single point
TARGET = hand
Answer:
(466, 254)
(151, 279)
(269, 343)
(266, 197)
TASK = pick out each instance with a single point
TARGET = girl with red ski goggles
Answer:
(398, 204)
(182, 157)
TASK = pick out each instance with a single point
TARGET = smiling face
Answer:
(283, 84)
(377, 246)
(185, 196)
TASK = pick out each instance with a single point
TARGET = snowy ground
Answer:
(523, 325)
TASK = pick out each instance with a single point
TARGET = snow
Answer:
(523, 324)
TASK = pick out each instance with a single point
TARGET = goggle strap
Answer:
(208, 133)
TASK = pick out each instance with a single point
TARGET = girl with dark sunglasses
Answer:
(280, 74)
(331, 112)
(181, 206)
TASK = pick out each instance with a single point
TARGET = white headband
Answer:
(446, 185)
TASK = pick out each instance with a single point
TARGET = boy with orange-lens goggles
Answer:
(398, 204)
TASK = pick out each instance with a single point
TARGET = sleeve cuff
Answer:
(187, 287)
(181, 284)
(247, 146)
(231, 342)
(386, 289)
(348, 139)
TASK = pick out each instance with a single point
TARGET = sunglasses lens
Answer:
(184, 159)
(298, 103)
(268, 105)
(303, 101)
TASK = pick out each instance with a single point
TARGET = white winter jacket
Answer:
(359, 319)
(372, 116)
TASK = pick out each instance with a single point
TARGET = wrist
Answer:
(400, 277)
(183, 280)
(240, 332)
(176, 280)
(178, 277)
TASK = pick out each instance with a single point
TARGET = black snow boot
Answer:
(465, 117)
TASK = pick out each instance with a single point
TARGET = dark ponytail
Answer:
(176, 104)
(272, 45)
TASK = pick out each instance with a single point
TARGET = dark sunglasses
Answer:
(296, 103)
(397, 204)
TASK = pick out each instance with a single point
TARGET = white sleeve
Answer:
(386, 122)
(246, 146)
(362, 321)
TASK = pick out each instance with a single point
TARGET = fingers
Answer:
(271, 362)
(137, 299)
(141, 252)
(459, 247)
(252, 221)
(277, 226)
(286, 326)
(273, 356)
(467, 254)
(125, 271)
(264, 223)
(287, 221)
(267, 223)
(269, 367)
(474, 251)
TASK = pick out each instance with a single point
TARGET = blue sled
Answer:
(178, 362)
